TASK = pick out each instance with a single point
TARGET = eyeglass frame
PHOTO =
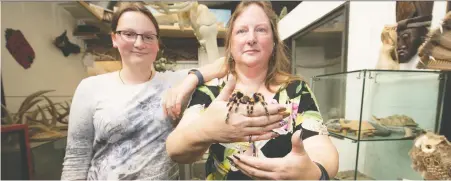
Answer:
(136, 36)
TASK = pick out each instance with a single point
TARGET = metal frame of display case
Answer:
(440, 114)
(22, 130)
(445, 116)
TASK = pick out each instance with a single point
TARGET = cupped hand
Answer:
(239, 126)
(296, 165)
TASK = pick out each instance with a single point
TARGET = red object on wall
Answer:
(19, 47)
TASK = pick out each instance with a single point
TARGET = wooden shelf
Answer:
(83, 11)
(339, 28)
(176, 32)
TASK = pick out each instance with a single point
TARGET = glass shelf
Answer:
(353, 137)
(359, 95)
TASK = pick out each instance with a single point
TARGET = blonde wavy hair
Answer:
(279, 64)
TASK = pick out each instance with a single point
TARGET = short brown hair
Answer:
(279, 65)
(136, 7)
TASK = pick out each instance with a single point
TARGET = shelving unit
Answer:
(83, 11)
(175, 32)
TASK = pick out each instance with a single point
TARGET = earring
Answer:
(230, 58)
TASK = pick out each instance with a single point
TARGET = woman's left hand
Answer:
(297, 165)
(177, 97)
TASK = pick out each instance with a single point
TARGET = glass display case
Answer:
(373, 116)
(321, 47)
(48, 158)
(23, 159)
(16, 156)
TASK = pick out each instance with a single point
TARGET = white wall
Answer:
(383, 98)
(364, 33)
(40, 23)
(303, 15)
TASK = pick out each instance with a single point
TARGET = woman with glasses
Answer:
(117, 123)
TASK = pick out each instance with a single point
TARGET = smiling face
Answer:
(252, 37)
(144, 49)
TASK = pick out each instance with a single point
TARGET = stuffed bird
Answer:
(431, 156)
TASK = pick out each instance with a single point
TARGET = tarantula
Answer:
(238, 98)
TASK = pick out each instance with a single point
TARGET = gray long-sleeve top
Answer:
(118, 131)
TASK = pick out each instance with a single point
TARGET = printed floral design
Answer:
(290, 121)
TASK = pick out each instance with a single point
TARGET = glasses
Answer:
(130, 36)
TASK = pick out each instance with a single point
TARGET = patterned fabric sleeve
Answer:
(200, 99)
(308, 116)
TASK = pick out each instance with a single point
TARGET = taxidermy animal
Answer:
(431, 156)
(435, 52)
(410, 9)
(387, 56)
(404, 10)
(63, 43)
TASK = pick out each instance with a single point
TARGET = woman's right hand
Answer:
(214, 128)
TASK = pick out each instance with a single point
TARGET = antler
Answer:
(27, 104)
(60, 116)
(55, 116)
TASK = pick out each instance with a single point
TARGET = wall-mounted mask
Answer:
(411, 33)
(63, 43)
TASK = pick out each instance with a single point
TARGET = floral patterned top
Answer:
(304, 115)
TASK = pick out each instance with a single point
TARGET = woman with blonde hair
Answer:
(296, 147)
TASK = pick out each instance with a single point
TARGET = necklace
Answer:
(151, 73)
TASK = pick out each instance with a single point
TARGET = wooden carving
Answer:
(413, 19)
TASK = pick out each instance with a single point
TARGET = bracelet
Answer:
(199, 76)
(324, 174)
